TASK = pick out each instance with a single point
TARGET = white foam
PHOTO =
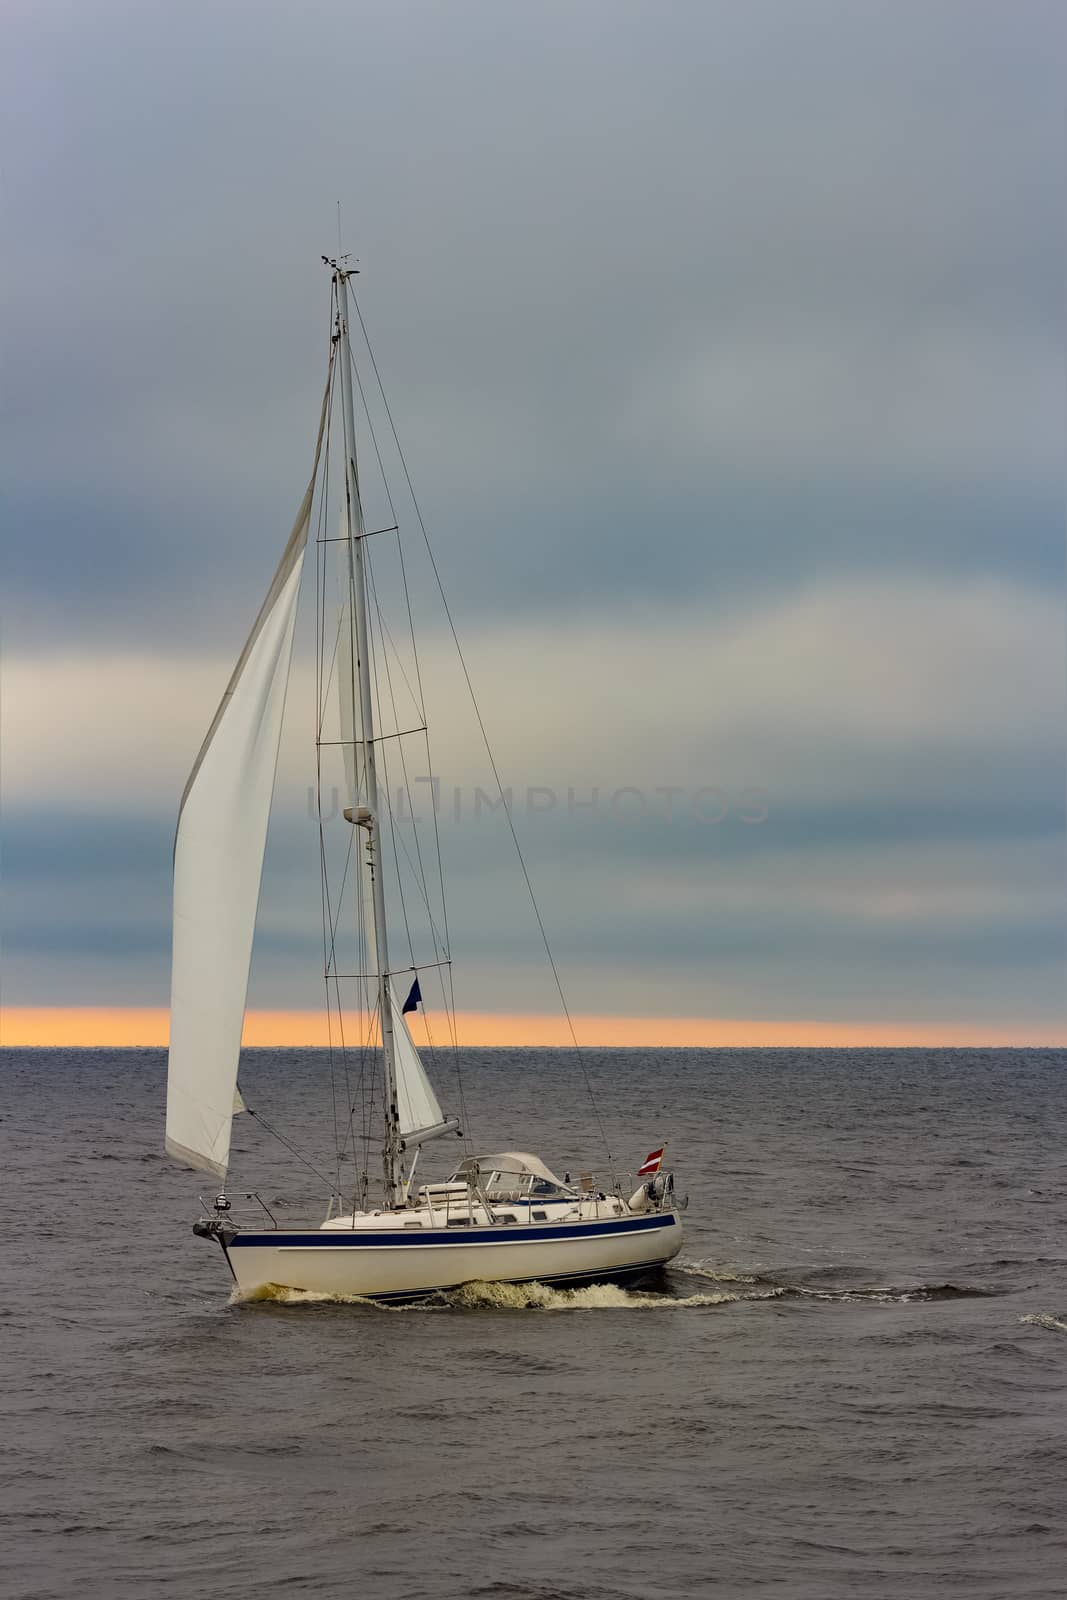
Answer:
(1040, 1319)
(595, 1297)
(724, 1274)
(278, 1294)
(500, 1297)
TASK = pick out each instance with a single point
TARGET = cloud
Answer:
(902, 668)
(766, 290)
(900, 738)
(726, 348)
(937, 401)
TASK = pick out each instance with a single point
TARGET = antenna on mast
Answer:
(339, 263)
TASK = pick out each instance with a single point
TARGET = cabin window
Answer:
(459, 1222)
(540, 1216)
(413, 1224)
(506, 1216)
(503, 1185)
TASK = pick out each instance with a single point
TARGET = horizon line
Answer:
(90, 1027)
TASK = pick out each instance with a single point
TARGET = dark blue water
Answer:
(854, 1382)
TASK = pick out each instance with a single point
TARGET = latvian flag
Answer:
(651, 1163)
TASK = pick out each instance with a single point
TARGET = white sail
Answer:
(417, 1106)
(218, 863)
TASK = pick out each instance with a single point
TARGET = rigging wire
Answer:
(319, 642)
(384, 760)
(445, 977)
(394, 832)
(395, 836)
(289, 1146)
(360, 779)
(484, 734)
(417, 869)
(420, 700)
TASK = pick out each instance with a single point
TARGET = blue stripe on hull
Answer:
(360, 1238)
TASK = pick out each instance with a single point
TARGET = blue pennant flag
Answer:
(413, 1000)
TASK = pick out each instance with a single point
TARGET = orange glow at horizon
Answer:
(117, 1026)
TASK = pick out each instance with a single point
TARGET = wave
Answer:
(1041, 1319)
(919, 1292)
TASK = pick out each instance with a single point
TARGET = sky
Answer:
(725, 342)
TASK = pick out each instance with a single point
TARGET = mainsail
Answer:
(218, 863)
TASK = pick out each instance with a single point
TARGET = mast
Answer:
(357, 611)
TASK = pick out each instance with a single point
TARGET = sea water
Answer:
(853, 1382)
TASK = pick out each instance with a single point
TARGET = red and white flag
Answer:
(651, 1163)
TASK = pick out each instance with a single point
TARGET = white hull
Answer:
(394, 1265)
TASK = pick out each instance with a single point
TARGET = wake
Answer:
(732, 1286)
(890, 1294)
(503, 1297)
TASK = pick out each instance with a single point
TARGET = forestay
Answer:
(218, 863)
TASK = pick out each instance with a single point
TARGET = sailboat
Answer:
(501, 1217)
